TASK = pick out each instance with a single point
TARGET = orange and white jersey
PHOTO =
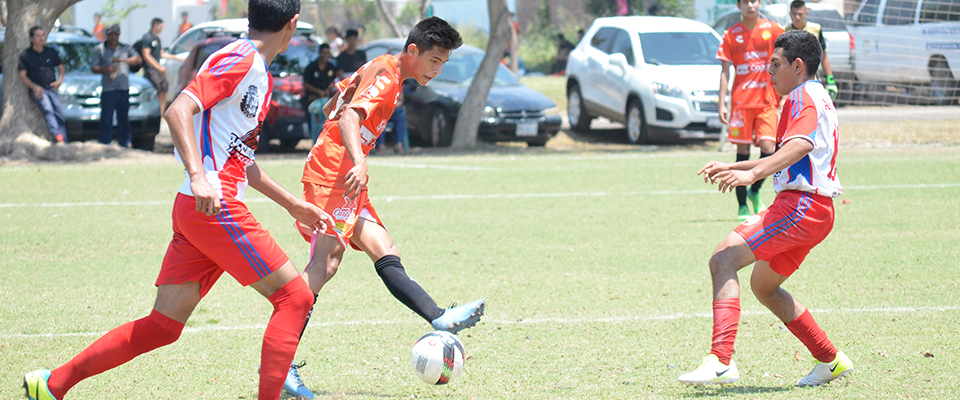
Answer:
(375, 89)
(233, 89)
(749, 51)
(808, 114)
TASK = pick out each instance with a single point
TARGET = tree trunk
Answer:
(468, 118)
(389, 19)
(20, 114)
(424, 5)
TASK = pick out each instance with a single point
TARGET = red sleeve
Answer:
(221, 76)
(723, 53)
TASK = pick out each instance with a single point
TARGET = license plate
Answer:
(526, 129)
(714, 122)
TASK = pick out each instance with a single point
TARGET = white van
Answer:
(912, 44)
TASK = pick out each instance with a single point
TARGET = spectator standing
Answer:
(318, 80)
(112, 61)
(351, 59)
(334, 40)
(563, 52)
(152, 51)
(184, 23)
(97, 27)
(36, 69)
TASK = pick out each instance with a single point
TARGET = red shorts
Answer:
(751, 125)
(203, 247)
(343, 210)
(784, 233)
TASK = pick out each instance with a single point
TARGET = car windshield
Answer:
(76, 56)
(829, 20)
(679, 48)
(461, 68)
(299, 54)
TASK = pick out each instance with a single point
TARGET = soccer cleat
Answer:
(743, 213)
(294, 383)
(755, 201)
(826, 372)
(457, 318)
(35, 384)
(711, 372)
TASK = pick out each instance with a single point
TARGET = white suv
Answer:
(645, 71)
(910, 43)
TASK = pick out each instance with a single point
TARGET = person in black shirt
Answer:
(318, 80)
(151, 51)
(563, 53)
(36, 66)
(350, 59)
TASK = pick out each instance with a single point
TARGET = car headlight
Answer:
(285, 99)
(551, 111)
(489, 114)
(668, 90)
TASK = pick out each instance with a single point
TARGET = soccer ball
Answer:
(437, 358)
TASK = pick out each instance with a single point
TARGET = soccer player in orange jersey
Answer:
(753, 103)
(804, 169)
(215, 124)
(335, 175)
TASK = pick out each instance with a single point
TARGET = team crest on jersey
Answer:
(250, 102)
(739, 39)
(765, 35)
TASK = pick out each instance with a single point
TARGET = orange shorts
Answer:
(784, 233)
(203, 247)
(751, 125)
(345, 211)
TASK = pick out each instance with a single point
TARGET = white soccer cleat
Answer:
(826, 372)
(711, 372)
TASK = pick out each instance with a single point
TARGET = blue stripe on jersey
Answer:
(767, 233)
(240, 239)
(206, 145)
(803, 168)
(235, 57)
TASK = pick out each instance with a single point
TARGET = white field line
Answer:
(528, 321)
(480, 196)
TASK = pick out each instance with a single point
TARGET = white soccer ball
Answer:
(437, 358)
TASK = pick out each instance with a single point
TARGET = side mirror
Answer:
(618, 59)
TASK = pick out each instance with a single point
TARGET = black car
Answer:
(513, 112)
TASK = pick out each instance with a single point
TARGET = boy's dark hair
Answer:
(34, 29)
(352, 33)
(271, 15)
(155, 21)
(797, 4)
(323, 46)
(433, 32)
(802, 45)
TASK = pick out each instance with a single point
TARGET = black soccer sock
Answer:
(405, 289)
(742, 190)
(315, 295)
(758, 184)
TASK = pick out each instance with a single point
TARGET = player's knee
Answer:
(718, 265)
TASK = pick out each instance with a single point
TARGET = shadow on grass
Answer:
(701, 392)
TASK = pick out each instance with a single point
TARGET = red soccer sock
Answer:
(807, 330)
(290, 307)
(114, 348)
(726, 316)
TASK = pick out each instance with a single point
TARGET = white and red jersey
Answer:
(808, 114)
(233, 89)
(749, 51)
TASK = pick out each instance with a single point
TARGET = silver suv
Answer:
(645, 71)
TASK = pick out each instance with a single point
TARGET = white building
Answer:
(138, 22)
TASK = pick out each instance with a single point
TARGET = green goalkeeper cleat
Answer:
(743, 213)
(35, 384)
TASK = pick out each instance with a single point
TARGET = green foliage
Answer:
(474, 36)
(112, 13)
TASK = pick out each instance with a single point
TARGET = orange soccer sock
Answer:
(115, 348)
(726, 316)
(290, 307)
(807, 330)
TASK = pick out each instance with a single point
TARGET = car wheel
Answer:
(289, 143)
(577, 110)
(636, 124)
(942, 84)
(144, 142)
(437, 131)
(538, 142)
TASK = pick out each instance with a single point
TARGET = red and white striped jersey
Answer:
(808, 114)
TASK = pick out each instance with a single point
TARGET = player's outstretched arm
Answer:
(349, 125)
(180, 120)
(791, 152)
(308, 214)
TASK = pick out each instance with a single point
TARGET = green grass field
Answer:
(593, 265)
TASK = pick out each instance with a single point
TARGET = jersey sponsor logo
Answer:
(382, 126)
(753, 85)
(765, 35)
(756, 55)
(250, 102)
(744, 69)
(739, 39)
(369, 139)
(374, 90)
(345, 212)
